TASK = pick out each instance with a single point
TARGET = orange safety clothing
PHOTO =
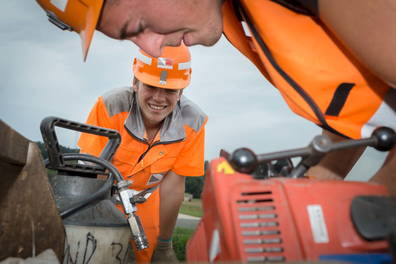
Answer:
(178, 147)
(316, 76)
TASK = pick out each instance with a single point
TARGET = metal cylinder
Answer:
(98, 233)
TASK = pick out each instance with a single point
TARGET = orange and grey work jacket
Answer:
(178, 147)
(316, 76)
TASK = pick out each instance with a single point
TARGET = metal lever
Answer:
(245, 160)
(382, 139)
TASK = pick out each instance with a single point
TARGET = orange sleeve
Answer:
(94, 144)
(190, 161)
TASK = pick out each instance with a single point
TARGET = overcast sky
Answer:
(42, 74)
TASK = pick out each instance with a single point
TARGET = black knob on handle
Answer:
(386, 138)
(244, 160)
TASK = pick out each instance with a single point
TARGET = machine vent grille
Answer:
(259, 227)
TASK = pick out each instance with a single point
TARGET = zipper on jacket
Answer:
(144, 153)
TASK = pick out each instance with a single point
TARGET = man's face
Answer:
(153, 24)
(155, 103)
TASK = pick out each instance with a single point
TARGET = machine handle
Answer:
(56, 160)
(245, 160)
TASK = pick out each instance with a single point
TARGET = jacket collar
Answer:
(172, 129)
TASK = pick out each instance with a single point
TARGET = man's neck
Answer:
(152, 130)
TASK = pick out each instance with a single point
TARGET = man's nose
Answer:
(159, 94)
(150, 42)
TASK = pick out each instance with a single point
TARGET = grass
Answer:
(181, 235)
(193, 208)
(180, 238)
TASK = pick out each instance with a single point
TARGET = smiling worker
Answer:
(162, 141)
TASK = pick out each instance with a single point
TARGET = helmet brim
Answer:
(87, 33)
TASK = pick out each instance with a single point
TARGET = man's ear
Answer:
(135, 84)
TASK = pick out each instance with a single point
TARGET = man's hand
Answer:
(164, 252)
(335, 165)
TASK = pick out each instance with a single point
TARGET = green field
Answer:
(180, 238)
(181, 235)
(193, 208)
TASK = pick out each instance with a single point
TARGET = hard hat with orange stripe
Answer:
(80, 16)
(172, 70)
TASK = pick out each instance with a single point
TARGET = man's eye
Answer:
(124, 34)
(171, 91)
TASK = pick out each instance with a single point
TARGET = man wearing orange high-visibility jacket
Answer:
(333, 61)
(162, 141)
(317, 75)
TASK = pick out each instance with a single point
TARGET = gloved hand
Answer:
(164, 252)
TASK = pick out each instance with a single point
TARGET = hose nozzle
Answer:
(138, 234)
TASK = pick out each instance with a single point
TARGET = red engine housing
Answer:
(278, 219)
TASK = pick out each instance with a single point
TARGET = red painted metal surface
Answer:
(278, 219)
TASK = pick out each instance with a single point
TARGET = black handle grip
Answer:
(56, 160)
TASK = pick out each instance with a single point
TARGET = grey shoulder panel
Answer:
(192, 115)
(118, 100)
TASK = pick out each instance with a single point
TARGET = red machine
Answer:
(283, 219)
